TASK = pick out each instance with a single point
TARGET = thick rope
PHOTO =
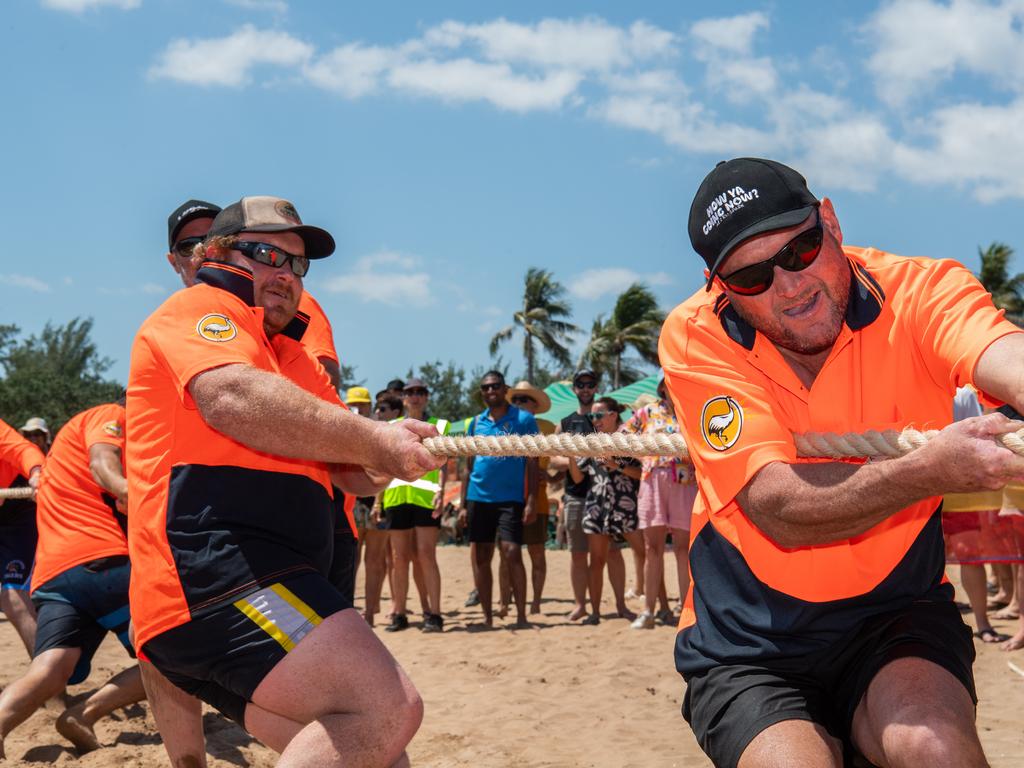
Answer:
(16, 493)
(874, 445)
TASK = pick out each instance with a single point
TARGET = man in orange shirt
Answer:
(819, 622)
(80, 578)
(186, 228)
(236, 437)
(20, 463)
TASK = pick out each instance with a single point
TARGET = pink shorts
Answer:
(663, 501)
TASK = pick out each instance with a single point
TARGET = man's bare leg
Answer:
(517, 578)
(366, 712)
(579, 575)
(504, 584)
(538, 574)
(18, 608)
(481, 555)
(916, 713)
(426, 556)
(178, 716)
(376, 569)
(76, 723)
(791, 743)
(46, 677)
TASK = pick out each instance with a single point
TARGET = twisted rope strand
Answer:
(871, 444)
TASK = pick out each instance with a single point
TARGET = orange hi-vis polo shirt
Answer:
(914, 331)
(319, 342)
(208, 517)
(78, 520)
(18, 456)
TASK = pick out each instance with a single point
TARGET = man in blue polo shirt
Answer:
(499, 496)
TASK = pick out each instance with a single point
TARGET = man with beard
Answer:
(819, 623)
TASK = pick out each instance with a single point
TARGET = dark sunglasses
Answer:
(796, 255)
(597, 415)
(586, 385)
(184, 247)
(491, 387)
(522, 400)
(380, 408)
(273, 256)
(418, 391)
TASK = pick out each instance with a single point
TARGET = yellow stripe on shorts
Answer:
(280, 613)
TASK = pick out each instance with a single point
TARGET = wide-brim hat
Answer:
(261, 213)
(526, 388)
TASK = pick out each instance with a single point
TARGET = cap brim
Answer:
(205, 213)
(319, 243)
(770, 224)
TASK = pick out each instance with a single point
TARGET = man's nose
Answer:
(788, 283)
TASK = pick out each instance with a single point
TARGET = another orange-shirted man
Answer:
(20, 464)
(80, 579)
(236, 435)
(819, 622)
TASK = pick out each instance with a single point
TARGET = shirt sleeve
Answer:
(204, 332)
(955, 320)
(724, 405)
(319, 337)
(18, 452)
(105, 425)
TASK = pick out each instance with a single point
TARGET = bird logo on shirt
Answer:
(721, 421)
(216, 327)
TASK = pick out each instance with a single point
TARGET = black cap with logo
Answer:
(742, 198)
(186, 212)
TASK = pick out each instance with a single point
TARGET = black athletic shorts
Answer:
(76, 609)
(222, 655)
(17, 553)
(343, 562)
(403, 517)
(501, 519)
(730, 704)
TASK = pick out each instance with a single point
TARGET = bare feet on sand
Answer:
(72, 726)
(1015, 643)
(535, 606)
(578, 613)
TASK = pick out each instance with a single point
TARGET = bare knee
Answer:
(931, 734)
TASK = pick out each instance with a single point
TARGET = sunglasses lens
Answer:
(185, 247)
(801, 251)
(749, 281)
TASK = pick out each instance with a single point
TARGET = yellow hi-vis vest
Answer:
(419, 492)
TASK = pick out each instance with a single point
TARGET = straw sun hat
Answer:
(526, 388)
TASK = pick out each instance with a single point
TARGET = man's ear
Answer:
(829, 220)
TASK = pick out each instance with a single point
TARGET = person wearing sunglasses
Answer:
(499, 497)
(235, 439)
(819, 622)
(186, 228)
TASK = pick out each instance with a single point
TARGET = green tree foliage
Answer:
(1007, 292)
(447, 385)
(54, 375)
(634, 324)
(541, 320)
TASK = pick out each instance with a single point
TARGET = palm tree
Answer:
(540, 320)
(635, 323)
(1007, 292)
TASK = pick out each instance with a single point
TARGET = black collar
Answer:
(238, 282)
(863, 308)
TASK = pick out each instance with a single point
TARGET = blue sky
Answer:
(450, 147)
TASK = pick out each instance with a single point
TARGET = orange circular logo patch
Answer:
(721, 421)
(216, 327)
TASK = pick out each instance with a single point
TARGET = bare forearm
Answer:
(804, 504)
(105, 466)
(356, 481)
(271, 414)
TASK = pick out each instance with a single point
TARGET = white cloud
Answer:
(80, 6)
(971, 145)
(24, 281)
(468, 80)
(154, 288)
(385, 277)
(273, 6)
(351, 70)
(919, 43)
(595, 283)
(228, 60)
(734, 34)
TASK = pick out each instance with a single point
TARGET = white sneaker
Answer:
(643, 621)
(631, 595)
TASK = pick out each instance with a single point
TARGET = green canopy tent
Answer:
(628, 394)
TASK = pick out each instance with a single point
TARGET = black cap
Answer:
(396, 385)
(186, 212)
(742, 198)
(581, 373)
(271, 214)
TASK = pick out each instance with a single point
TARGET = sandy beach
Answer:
(557, 694)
